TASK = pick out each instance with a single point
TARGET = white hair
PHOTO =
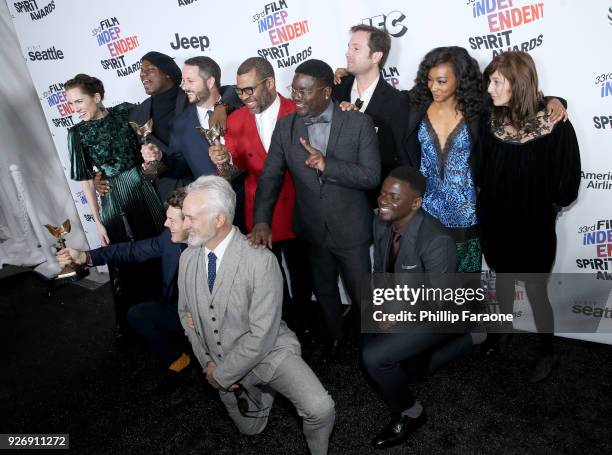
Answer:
(219, 195)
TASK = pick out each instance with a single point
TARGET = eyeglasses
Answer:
(301, 93)
(249, 90)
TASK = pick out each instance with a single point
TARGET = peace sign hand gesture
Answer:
(316, 160)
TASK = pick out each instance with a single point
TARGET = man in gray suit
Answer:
(230, 300)
(333, 159)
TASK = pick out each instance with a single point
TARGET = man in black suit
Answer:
(408, 240)
(333, 159)
(157, 321)
(367, 90)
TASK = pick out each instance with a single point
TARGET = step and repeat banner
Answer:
(569, 40)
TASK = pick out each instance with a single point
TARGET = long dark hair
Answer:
(526, 99)
(467, 73)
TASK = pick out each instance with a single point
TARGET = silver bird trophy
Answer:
(154, 168)
(226, 170)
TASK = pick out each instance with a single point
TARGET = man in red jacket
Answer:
(247, 139)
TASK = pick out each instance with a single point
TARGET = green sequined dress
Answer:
(131, 209)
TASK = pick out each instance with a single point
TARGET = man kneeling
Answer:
(230, 301)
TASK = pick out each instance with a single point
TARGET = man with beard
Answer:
(367, 90)
(333, 159)
(161, 80)
(248, 137)
(230, 298)
(188, 148)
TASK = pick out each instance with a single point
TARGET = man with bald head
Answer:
(333, 159)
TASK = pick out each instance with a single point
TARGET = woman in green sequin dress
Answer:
(103, 140)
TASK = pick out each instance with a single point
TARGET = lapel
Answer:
(334, 132)
(385, 241)
(378, 99)
(225, 275)
(201, 295)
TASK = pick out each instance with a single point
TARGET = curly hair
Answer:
(88, 84)
(467, 73)
(176, 199)
(526, 99)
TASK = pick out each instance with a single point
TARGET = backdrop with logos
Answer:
(569, 41)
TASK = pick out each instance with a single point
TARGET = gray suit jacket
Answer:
(239, 325)
(331, 210)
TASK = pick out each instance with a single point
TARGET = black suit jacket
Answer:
(160, 246)
(425, 247)
(141, 113)
(382, 108)
(332, 209)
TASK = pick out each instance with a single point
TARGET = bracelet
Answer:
(219, 103)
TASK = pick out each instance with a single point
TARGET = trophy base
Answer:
(72, 274)
(154, 168)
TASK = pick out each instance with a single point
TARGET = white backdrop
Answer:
(569, 40)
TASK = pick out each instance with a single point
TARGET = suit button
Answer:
(218, 343)
(220, 355)
(212, 307)
(214, 319)
(250, 154)
(216, 331)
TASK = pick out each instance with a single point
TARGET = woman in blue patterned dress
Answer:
(443, 127)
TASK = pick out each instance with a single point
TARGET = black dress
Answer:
(524, 181)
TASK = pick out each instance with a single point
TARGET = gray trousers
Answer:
(297, 382)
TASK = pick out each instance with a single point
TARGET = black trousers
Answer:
(394, 360)
(327, 263)
(159, 326)
(298, 311)
(536, 287)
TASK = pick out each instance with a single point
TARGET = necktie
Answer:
(212, 270)
(395, 247)
(358, 104)
(209, 114)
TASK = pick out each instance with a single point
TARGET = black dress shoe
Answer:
(398, 430)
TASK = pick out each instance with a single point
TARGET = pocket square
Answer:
(408, 267)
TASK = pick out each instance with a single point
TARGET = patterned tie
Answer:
(212, 270)
(209, 114)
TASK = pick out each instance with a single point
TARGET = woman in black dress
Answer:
(529, 170)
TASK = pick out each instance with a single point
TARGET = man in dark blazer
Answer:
(366, 88)
(188, 151)
(333, 159)
(408, 240)
(157, 321)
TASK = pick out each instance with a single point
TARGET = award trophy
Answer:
(142, 132)
(226, 170)
(72, 271)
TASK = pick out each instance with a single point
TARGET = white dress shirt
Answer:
(220, 250)
(365, 96)
(266, 121)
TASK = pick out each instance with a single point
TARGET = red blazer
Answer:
(243, 142)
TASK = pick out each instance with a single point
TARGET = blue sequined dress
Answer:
(451, 193)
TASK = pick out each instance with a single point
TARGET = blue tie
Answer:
(212, 270)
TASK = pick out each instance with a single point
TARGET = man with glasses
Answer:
(333, 159)
(248, 137)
